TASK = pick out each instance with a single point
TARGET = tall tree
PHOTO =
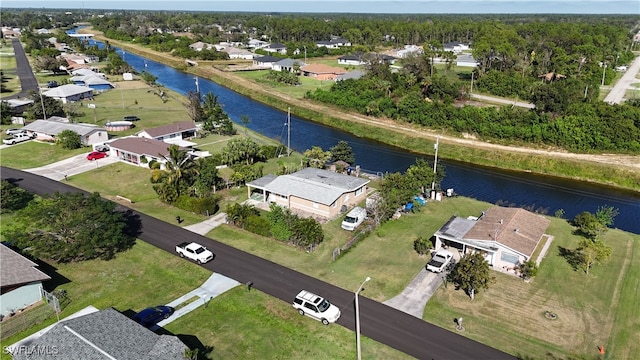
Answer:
(70, 227)
(316, 157)
(194, 107)
(342, 151)
(591, 252)
(69, 139)
(471, 274)
(13, 198)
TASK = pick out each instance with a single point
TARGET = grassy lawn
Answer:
(8, 66)
(509, 315)
(31, 154)
(599, 309)
(134, 98)
(387, 255)
(238, 324)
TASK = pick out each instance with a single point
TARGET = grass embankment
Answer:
(402, 135)
(235, 325)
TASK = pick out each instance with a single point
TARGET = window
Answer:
(311, 307)
(509, 258)
(297, 301)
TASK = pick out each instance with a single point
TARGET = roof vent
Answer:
(500, 221)
(516, 229)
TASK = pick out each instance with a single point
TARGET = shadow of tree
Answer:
(572, 256)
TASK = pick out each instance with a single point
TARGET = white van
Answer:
(354, 218)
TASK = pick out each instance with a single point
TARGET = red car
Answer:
(95, 155)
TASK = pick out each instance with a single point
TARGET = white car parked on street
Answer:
(316, 307)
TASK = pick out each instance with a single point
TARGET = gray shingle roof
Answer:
(56, 127)
(17, 269)
(105, 334)
(317, 185)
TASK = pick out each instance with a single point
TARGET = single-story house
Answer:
(237, 53)
(175, 133)
(266, 61)
(47, 130)
(455, 47)
(323, 193)
(322, 71)
(506, 236)
(105, 334)
(18, 106)
(20, 281)
(361, 59)
(94, 81)
(199, 46)
(79, 59)
(70, 92)
(354, 74)
(275, 48)
(256, 44)
(466, 60)
(287, 65)
(334, 43)
(408, 50)
(139, 150)
(352, 59)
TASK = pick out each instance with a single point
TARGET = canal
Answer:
(535, 192)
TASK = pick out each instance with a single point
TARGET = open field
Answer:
(235, 325)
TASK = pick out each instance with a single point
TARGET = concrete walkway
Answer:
(414, 297)
(216, 284)
(204, 227)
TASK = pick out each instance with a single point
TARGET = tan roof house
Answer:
(507, 236)
(320, 192)
(139, 151)
(175, 133)
(322, 71)
(20, 281)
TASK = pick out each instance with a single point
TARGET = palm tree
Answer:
(180, 165)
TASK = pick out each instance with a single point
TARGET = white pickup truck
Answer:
(195, 252)
(16, 138)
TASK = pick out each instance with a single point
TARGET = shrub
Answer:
(257, 225)
(528, 269)
(199, 205)
(422, 245)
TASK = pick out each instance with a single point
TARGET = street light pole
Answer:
(604, 70)
(358, 318)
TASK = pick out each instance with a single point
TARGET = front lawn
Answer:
(599, 309)
(32, 154)
(236, 325)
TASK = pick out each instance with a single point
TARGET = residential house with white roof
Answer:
(321, 193)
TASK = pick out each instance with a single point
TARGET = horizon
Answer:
(546, 7)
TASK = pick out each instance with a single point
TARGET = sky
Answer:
(627, 7)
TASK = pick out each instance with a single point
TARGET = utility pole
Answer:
(471, 90)
(288, 131)
(435, 163)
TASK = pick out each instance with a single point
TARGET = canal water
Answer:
(535, 192)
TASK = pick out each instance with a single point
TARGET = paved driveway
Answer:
(71, 166)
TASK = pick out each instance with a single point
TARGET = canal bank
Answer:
(544, 194)
(614, 170)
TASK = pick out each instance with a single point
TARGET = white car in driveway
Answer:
(439, 261)
(17, 138)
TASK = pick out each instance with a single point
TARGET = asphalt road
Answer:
(619, 89)
(28, 81)
(380, 322)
